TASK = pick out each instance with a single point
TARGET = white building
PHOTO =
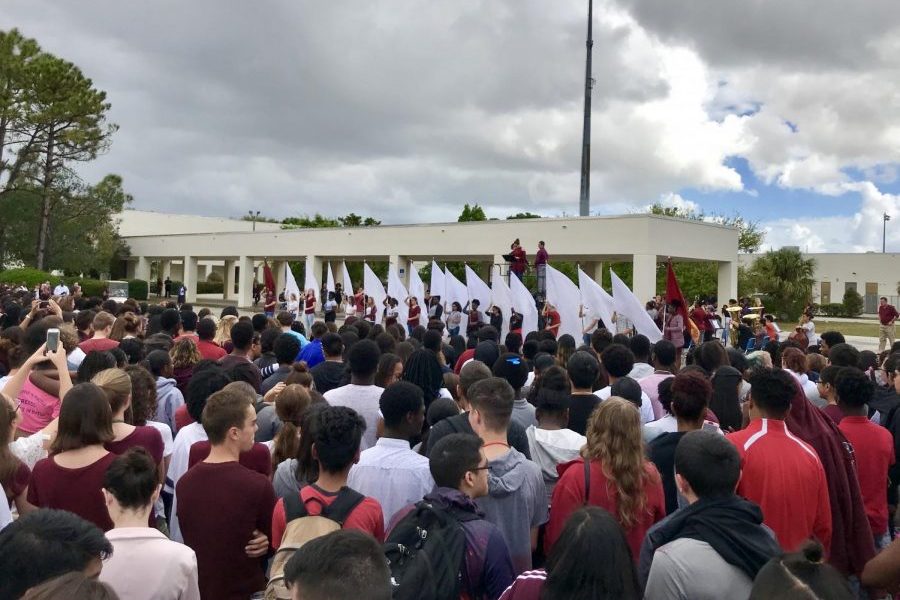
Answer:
(187, 243)
(870, 274)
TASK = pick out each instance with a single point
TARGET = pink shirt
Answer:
(38, 408)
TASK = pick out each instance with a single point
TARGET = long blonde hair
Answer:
(116, 384)
(223, 330)
(614, 440)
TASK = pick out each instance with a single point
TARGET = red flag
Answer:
(269, 279)
(673, 292)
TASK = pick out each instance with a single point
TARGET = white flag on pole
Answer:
(628, 305)
(417, 291)
(477, 289)
(524, 304)
(398, 291)
(311, 282)
(290, 284)
(502, 298)
(597, 303)
(329, 280)
(348, 283)
(375, 289)
(437, 286)
(455, 291)
(563, 294)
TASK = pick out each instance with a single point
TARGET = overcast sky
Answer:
(784, 112)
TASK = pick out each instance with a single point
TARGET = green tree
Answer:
(354, 220)
(523, 215)
(750, 236)
(318, 220)
(785, 280)
(853, 303)
(471, 213)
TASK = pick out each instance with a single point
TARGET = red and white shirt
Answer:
(784, 476)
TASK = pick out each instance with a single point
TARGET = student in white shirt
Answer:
(144, 563)
(361, 394)
(390, 471)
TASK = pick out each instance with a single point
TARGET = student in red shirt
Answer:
(781, 473)
(224, 509)
(336, 442)
(873, 447)
(206, 332)
(414, 311)
(622, 480)
(551, 319)
(519, 259)
(102, 326)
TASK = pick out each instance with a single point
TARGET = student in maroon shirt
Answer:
(224, 509)
(414, 311)
(887, 315)
(102, 326)
(551, 319)
(116, 384)
(519, 259)
(825, 386)
(71, 478)
(873, 447)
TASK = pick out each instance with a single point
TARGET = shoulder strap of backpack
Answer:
(294, 508)
(587, 482)
(347, 500)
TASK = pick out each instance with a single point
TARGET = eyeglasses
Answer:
(484, 468)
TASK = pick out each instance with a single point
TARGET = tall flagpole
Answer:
(584, 207)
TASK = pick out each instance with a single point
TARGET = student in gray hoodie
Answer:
(168, 396)
(514, 369)
(516, 502)
(550, 441)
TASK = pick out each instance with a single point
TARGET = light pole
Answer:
(253, 218)
(886, 217)
(584, 207)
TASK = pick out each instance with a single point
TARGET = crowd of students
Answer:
(158, 452)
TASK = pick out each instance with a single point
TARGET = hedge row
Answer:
(137, 289)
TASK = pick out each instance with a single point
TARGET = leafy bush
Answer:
(138, 289)
(91, 287)
(30, 277)
(214, 277)
(853, 303)
(210, 287)
(833, 309)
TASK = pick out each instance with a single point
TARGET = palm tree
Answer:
(785, 279)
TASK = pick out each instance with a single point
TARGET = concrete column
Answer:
(165, 269)
(229, 280)
(314, 266)
(245, 281)
(189, 278)
(279, 274)
(140, 269)
(504, 267)
(728, 282)
(644, 278)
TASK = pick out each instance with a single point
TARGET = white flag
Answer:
(398, 291)
(628, 305)
(524, 304)
(477, 289)
(437, 286)
(597, 303)
(417, 291)
(329, 281)
(563, 294)
(311, 282)
(348, 283)
(455, 291)
(290, 284)
(375, 289)
(502, 298)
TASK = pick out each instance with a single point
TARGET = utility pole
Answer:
(253, 218)
(584, 207)
(885, 218)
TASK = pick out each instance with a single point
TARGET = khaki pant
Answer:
(885, 335)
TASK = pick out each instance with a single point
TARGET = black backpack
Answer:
(425, 552)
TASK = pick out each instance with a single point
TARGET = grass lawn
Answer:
(867, 328)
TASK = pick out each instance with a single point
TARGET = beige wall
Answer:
(145, 222)
(841, 268)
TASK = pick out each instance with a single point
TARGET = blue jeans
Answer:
(453, 331)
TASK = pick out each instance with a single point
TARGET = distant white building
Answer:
(871, 274)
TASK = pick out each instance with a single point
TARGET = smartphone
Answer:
(44, 304)
(52, 339)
